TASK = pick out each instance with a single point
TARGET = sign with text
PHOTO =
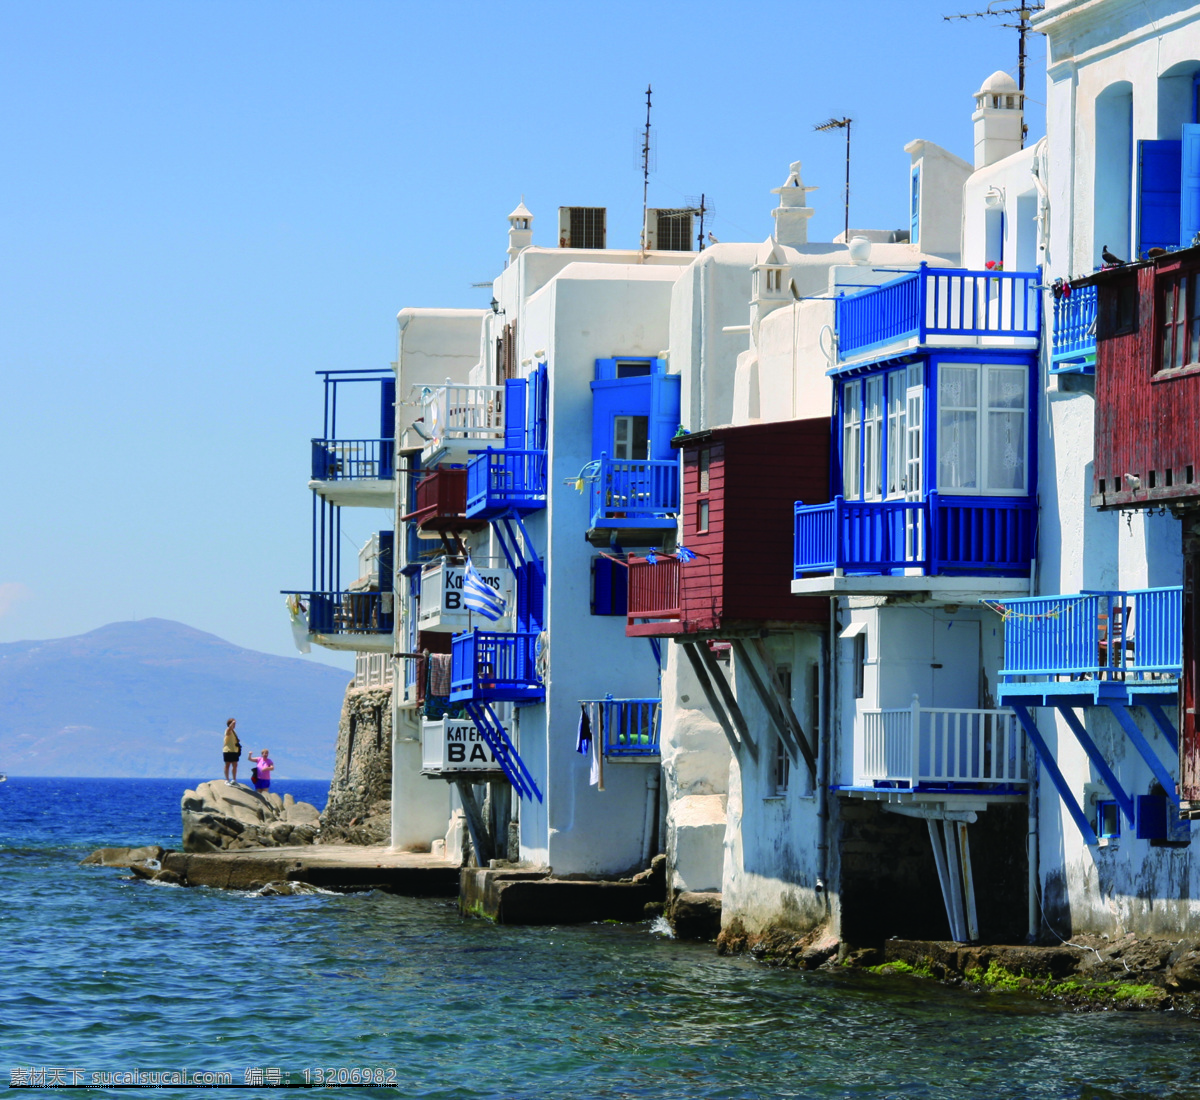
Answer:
(442, 606)
(454, 745)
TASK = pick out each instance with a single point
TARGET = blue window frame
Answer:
(1108, 819)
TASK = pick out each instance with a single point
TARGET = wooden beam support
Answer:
(1098, 762)
(730, 700)
(480, 840)
(785, 704)
(770, 703)
(710, 694)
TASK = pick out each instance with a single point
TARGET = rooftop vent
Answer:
(670, 230)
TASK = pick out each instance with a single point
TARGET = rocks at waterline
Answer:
(123, 857)
(359, 808)
(221, 818)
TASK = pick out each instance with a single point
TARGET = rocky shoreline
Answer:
(1089, 973)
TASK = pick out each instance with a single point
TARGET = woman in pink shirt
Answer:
(263, 767)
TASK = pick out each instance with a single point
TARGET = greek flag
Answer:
(477, 596)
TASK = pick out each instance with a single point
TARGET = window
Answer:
(631, 438)
(703, 468)
(781, 765)
(982, 428)
(873, 439)
(1117, 312)
(860, 664)
(1108, 820)
(914, 233)
(1180, 326)
(633, 368)
(851, 439)
(896, 398)
(702, 516)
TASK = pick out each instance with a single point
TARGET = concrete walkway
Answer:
(332, 866)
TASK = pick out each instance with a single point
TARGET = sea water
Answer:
(102, 975)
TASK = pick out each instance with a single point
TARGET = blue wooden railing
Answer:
(500, 480)
(625, 727)
(348, 612)
(490, 666)
(940, 535)
(1130, 636)
(939, 302)
(1074, 349)
(643, 493)
(352, 459)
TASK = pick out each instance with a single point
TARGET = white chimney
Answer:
(999, 119)
(520, 230)
(792, 214)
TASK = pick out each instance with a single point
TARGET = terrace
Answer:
(1074, 347)
(487, 666)
(940, 306)
(457, 418)
(500, 481)
(359, 621)
(627, 728)
(631, 494)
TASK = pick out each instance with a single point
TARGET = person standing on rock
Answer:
(232, 752)
(263, 767)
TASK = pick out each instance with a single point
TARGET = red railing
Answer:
(653, 589)
(441, 494)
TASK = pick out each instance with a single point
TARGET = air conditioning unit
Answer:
(581, 227)
(671, 230)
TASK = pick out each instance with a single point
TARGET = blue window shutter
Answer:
(658, 366)
(514, 414)
(1159, 172)
(606, 369)
(539, 393)
(664, 414)
(609, 587)
(530, 599)
(385, 561)
(1189, 185)
(387, 427)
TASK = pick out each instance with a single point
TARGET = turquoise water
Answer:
(103, 975)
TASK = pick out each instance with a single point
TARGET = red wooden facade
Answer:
(1148, 383)
(739, 489)
(441, 502)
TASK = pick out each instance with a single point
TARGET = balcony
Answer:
(1109, 646)
(654, 605)
(500, 481)
(627, 728)
(456, 419)
(898, 544)
(486, 666)
(941, 748)
(358, 621)
(941, 306)
(1074, 348)
(630, 495)
(354, 471)
(441, 502)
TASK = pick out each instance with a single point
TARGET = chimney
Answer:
(999, 119)
(520, 230)
(792, 214)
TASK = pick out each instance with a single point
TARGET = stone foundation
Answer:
(359, 810)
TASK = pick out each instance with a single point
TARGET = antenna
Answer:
(842, 124)
(704, 208)
(645, 170)
(1023, 12)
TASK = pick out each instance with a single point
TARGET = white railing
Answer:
(462, 412)
(372, 669)
(935, 746)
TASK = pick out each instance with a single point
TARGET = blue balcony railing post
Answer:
(635, 492)
(1074, 345)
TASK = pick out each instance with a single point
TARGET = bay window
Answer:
(982, 428)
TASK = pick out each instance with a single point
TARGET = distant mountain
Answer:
(151, 698)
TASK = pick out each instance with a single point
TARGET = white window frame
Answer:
(897, 402)
(983, 413)
(873, 438)
(852, 440)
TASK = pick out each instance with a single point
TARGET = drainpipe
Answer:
(651, 819)
(1031, 843)
(825, 742)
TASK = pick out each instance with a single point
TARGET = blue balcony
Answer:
(486, 666)
(1107, 645)
(940, 305)
(626, 728)
(361, 621)
(939, 536)
(635, 494)
(500, 481)
(353, 459)
(1074, 348)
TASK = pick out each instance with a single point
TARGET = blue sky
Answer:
(204, 203)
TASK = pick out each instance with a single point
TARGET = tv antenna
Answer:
(645, 170)
(1024, 12)
(842, 124)
(702, 208)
